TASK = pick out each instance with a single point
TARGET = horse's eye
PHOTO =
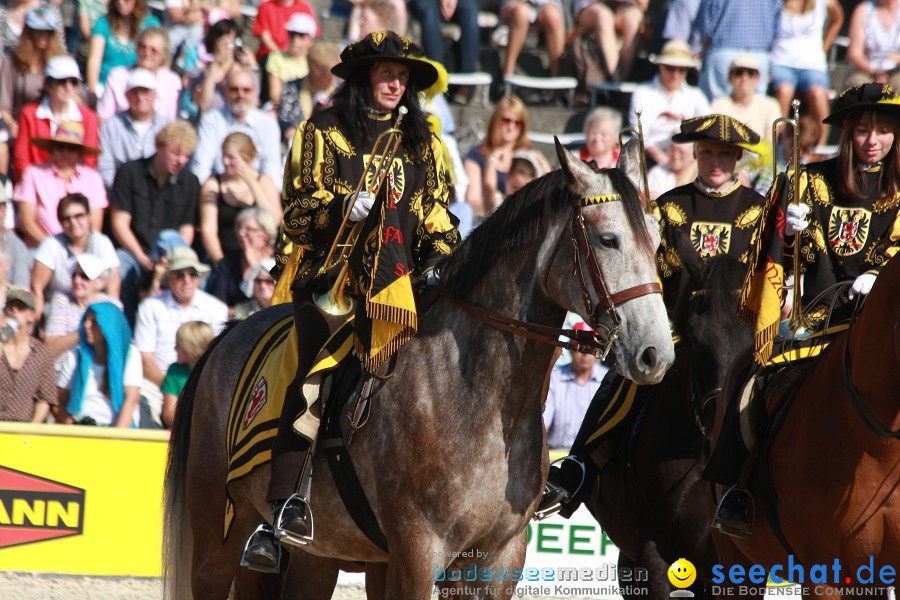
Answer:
(609, 241)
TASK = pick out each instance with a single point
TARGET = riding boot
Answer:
(735, 513)
(564, 481)
(260, 552)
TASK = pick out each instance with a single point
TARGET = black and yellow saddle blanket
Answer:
(259, 397)
(617, 396)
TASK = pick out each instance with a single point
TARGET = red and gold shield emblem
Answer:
(848, 229)
(710, 239)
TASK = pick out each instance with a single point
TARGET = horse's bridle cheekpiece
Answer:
(599, 341)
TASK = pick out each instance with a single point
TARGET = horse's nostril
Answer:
(649, 358)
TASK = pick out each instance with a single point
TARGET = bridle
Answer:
(866, 415)
(598, 342)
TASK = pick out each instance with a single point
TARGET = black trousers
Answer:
(289, 449)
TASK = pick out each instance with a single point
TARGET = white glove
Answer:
(862, 285)
(361, 207)
(796, 218)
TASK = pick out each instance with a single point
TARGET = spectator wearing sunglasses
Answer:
(62, 84)
(261, 289)
(758, 111)
(159, 318)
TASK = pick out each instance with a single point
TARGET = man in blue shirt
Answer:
(726, 29)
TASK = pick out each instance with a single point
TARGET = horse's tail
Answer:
(177, 537)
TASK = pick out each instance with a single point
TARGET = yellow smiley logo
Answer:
(682, 573)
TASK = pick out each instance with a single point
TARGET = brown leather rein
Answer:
(598, 342)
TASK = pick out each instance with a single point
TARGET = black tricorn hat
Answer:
(718, 128)
(868, 96)
(387, 45)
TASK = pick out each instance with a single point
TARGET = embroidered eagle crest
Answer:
(394, 180)
(848, 229)
(710, 239)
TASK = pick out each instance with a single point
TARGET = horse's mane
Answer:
(524, 218)
(722, 281)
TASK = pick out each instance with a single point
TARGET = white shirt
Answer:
(54, 254)
(95, 403)
(653, 101)
(159, 317)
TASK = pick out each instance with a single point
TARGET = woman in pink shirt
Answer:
(42, 186)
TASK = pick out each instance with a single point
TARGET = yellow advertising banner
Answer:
(81, 500)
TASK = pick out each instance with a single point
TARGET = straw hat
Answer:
(69, 133)
(675, 53)
(183, 257)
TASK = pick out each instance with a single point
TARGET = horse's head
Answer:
(715, 334)
(621, 241)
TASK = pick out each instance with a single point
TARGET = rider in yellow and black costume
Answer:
(406, 232)
(848, 226)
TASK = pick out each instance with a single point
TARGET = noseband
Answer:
(599, 341)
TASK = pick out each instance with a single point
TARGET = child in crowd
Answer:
(191, 341)
(525, 167)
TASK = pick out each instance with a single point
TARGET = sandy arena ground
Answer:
(27, 586)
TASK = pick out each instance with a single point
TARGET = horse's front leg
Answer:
(474, 583)
(410, 574)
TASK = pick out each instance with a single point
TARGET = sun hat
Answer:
(42, 19)
(140, 78)
(91, 266)
(70, 133)
(183, 257)
(302, 23)
(21, 294)
(62, 67)
(744, 61)
(869, 96)
(388, 46)
(675, 53)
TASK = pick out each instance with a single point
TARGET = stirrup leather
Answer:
(287, 537)
(264, 528)
(566, 496)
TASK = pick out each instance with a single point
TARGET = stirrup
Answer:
(264, 528)
(287, 537)
(561, 496)
(736, 527)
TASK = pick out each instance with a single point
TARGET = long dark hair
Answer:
(117, 21)
(889, 181)
(353, 99)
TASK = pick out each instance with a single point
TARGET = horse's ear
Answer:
(574, 169)
(689, 258)
(630, 162)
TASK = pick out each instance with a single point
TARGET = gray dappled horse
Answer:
(454, 455)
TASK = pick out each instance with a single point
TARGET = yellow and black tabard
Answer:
(715, 223)
(846, 236)
(408, 231)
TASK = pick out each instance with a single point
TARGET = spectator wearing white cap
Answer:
(756, 110)
(88, 277)
(667, 100)
(62, 83)
(13, 14)
(153, 52)
(290, 67)
(131, 134)
(22, 73)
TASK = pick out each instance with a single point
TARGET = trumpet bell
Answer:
(337, 305)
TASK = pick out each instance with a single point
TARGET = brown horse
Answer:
(835, 462)
(453, 457)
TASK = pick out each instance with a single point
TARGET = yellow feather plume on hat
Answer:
(439, 86)
(762, 151)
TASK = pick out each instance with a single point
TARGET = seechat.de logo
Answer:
(36, 509)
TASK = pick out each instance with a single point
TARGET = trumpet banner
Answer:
(763, 289)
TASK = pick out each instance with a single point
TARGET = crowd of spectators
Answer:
(141, 150)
